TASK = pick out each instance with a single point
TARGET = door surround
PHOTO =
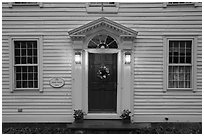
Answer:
(125, 38)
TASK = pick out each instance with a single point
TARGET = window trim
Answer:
(12, 62)
(193, 64)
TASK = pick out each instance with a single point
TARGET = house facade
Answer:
(102, 58)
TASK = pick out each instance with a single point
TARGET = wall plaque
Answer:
(57, 82)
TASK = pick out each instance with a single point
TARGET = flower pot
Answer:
(80, 120)
(126, 120)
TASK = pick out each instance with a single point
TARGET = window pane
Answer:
(24, 84)
(34, 52)
(18, 76)
(181, 84)
(24, 76)
(30, 76)
(29, 51)
(18, 84)
(29, 60)
(188, 59)
(23, 52)
(175, 84)
(171, 76)
(36, 84)
(170, 59)
(17, 52)
(34, 44)
(175, 60)
(30, 84)
(113, 45)
(188, 44)
(23, 45)
(92, 45)
(35, 61)
(182, 59)
(23, 60)
(24, 69)
(18, 69)
(29, 45)
(35, 69)
(17, 60)
(171, 84)
(35, 76)
(187, 84)
(17, 45)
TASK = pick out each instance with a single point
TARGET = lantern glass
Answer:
(78, 58)
(127, 58)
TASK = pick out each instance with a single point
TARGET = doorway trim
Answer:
(85, 85)
(125, 38)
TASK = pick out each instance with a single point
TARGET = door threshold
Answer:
(102, 116)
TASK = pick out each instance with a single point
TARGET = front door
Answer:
(102, 83)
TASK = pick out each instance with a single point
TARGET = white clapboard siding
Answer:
(54, 20)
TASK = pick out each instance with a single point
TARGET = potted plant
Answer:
(78, 116)
(125, 116)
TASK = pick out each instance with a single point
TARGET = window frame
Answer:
(167, 64)
(13, 65)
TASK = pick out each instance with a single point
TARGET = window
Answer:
(25, 4)
(25, 64)
(102, 7)
(104, 4)
(180, 64)
(102, 41)
(180, 3)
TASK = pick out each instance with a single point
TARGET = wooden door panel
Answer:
(102, 93)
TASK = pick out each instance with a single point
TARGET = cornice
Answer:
(102, 23)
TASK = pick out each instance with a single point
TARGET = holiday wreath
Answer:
(103, 72)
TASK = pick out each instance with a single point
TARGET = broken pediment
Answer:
(102, 24)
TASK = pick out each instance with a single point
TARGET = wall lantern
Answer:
(78, 57)
(127, 57)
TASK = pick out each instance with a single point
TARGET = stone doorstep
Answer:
(107, 125)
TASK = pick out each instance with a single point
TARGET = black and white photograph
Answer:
(101, 67)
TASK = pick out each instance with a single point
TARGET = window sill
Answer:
(26, 89)
(179, 89)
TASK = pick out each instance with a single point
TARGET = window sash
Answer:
(179, 76)
(26, 77)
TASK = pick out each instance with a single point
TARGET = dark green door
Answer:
(102, 82)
